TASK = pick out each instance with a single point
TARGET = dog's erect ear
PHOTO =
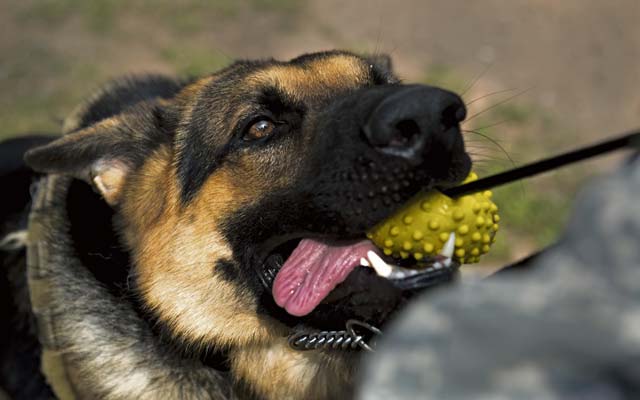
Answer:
(104, 154)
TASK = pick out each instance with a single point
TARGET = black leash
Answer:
(629, 140)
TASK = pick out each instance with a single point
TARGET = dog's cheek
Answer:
(179, 283)
(147, 196)
(176, 257)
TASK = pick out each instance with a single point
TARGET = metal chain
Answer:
(347, 339)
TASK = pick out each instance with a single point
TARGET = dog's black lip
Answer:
(266, 248)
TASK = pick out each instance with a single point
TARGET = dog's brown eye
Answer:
(260, 129)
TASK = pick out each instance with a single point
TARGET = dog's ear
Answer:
(105, 153)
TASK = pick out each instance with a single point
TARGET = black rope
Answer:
(629, 140)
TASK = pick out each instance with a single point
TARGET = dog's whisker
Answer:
(489, 162)
(486, 155)
(489, 159)
(476, 79)
(495, 142)
(479, 144)
(490, 125)
(376, 51)
(489, 95)
(496, 105)
(481, 149)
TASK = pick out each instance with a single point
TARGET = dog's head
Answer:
(245, 197)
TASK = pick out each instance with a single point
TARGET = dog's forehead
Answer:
(312, 77)
(215, 105)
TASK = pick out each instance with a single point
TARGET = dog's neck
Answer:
(275, 371)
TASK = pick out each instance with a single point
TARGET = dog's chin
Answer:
(363, 296)
(349, 280)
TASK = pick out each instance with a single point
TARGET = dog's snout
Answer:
(407, 122)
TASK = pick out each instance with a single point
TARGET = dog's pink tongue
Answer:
(312, 271)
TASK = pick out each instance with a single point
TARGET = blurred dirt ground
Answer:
(539, 76)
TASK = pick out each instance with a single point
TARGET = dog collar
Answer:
(40, 272)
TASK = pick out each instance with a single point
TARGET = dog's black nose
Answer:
(412, 121)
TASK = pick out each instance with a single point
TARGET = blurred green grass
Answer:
(23, 109)
(193, 61)
(43, 80)
(182, 16)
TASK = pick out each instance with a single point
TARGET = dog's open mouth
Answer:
(305, 273)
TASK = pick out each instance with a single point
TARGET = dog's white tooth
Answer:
(382, 268)
(449, 246)
(447, 262)
(364, 262)
(437, 265)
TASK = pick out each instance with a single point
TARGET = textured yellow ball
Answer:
(421, 227)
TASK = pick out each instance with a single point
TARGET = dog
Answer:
(241, 201)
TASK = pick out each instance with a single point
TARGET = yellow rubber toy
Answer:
(421, 227)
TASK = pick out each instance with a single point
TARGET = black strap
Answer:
(630, 140)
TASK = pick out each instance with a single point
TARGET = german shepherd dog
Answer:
(243, 198)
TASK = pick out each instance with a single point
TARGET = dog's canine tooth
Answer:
(447, 262)
(382, 268)
(447, 249)
(364, 262)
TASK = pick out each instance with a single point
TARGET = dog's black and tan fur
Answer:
(203, 188)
